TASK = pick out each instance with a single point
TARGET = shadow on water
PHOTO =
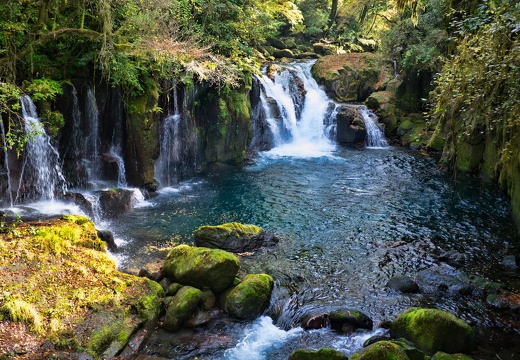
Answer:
(348, 223)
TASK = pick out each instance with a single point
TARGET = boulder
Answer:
(81, 201)
(181, 307)
(403, 284)
(350, 77)
(173, 289)
(234, 237)
(201, 267)
(248, 299)
(443, 356)
(153, 270)
(433, 330)
(284, 53)
(208, 300)
(323, 49)
(198, 319)
(108, 238)
(322, 354)
(381, 350)
(350, 127)
(115, 202)
(444, 279)
(315, 321)
(348, 320)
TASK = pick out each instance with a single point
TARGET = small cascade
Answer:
(6, 162)
(114, 156)
(115, 151)
(177, 144)
(92, 142)
(77, 134)
(298, 112)
(41, 175)
(375, 136)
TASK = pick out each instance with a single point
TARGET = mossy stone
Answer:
(181, 307)
(208, 300)
(201, 267)
(433, 330)
(381, 350)
(322, 354)
(229, 236)
(249, 299)
(173, 289)
(443, 356)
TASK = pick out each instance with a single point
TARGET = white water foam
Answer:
(259, 337)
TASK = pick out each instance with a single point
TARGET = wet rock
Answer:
(208, 300)
(443, 356)
(284, 53)
(350, 126)
(443, 279)
(234, 237)
(198, 319)
(348, 320)
(81, 201)
(201, 267)
(509, 261)
(165, 283)
(504, 301)
(181, 307)
(453, 257)
(433, 330)
(326, 353)
(108, 238)
(115, 202)
(381, 350)
(376, 338)
(403, 284)
(250, 298)
(153, 271)
(173, 288)
(315, 321)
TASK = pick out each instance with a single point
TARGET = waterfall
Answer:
(177, 143)
(116, 149)
(6, 162)
(41, 175)
(375, 136)
(114, 156)
(298, 112)
(92, 143)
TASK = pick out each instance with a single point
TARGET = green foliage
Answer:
(21, 311)
(43, 89)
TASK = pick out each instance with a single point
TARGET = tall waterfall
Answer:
(41, 175)
(116, 149)
(375, 136)
(298, 112)
(6, 162)
(92, 141)
(177, 144)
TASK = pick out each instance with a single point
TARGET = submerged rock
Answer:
(433, 330)
(248, 299)
(348, 320)
(181, 307)
(234, 237)
(200, 267)
(108, 238)
(322, 354)
(403, 284)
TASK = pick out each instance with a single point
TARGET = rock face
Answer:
(200, 267)
(433, 330)
(329, 354)
(234, 237)
(350, 126)
(349, 77)
(115, 202)
(182, 306)
(248, 299)
(348, 320)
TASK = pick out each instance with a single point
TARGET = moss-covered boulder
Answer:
(350, 77)
(348, 320)
(115, 202)
(443, 356)
(433, 330)
(181, 307)
(234, 237)
(73, 296)
(381, 350)
(322, 354)
(200, 267)
(383, 104)
(248, 299)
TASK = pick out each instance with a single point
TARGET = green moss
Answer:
(20, 311)
(381, 350)
(469, 157)
(322, 354)
(443, 356)
(248, 299)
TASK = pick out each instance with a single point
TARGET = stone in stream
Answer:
(248, 299)
(181, 307)
(315, 321)
(381, 350)
(348, 320)
(115, 202)
(433, 330)
(108, 238)
(322, 354)
(234, 237)
(403, 284)
(200, 267)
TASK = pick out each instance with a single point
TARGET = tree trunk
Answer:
(333, 13)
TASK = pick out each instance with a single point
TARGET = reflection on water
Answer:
(348, 223)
